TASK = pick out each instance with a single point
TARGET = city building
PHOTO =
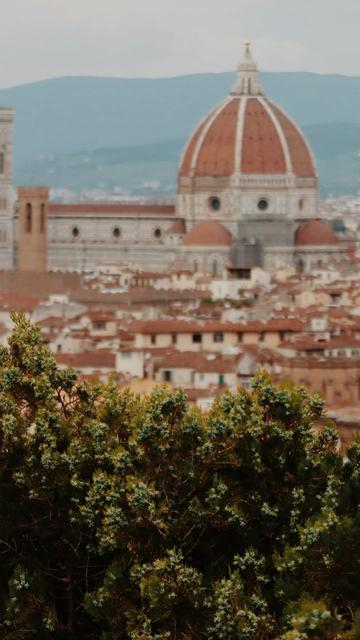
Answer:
(247, 197)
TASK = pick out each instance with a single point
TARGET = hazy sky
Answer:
(47, 38)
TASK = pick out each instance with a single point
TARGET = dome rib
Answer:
(262, 151)
(301, 156)
(285, 147)
(247, 133)
(216, 154)
(187, 157)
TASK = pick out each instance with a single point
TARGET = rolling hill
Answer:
(106, 132)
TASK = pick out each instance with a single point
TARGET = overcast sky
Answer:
(151, 38)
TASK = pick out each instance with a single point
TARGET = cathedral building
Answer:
(247, 196)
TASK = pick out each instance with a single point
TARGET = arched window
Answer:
(42, 218)
(196, 266)
(300, 266)
(28, 218)
(214, 268)
(75, 232)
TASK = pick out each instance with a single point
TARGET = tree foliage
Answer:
(131, 519)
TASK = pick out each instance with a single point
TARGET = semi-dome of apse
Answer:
(208, 233)
(315, 233)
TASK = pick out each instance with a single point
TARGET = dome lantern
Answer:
(247, 83)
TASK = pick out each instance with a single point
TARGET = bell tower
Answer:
(7, 198)
(32, 229)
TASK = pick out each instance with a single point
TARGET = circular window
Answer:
(75, 232)
(116, 232)
(263, 204)
(215, 204)
(157, 233)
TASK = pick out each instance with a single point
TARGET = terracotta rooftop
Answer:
(208, 233)
(106, 208)
(259, 140)
(89, 360)
(177, 227)
(315, 233)
(14, 301)
(148, 327)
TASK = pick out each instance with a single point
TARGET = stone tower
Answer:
(33, 205)
(7, 198)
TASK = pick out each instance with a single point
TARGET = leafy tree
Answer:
(131, 519)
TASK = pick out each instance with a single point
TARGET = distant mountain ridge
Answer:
(61, 120)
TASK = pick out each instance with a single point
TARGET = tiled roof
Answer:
(208, 233)
(250, 135)
(177, 227)
(315, 233)
(183, 326)
(18, 301)
(93, 359)
(105, 208)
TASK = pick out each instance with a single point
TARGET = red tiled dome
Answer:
(247, 134)
(315, 233)
(208, 233)
(177, 227)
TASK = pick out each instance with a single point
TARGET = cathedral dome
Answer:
(315, 233)
(208, 233)
(247, 134)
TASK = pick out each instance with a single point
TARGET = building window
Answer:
(240, 336)
(282, 336)
(263, 204)
(218, 337)
(243, 274)
(197, 338)
(2, 163)
(215, 203)
(166, 376)
(261, 337)
(153, 339)
(301, 204)
(221, 379)
(28, 218)
(196, 266)
(116, 232)
(214, 269)
(75, 232)
(42, 218)
(157, 233)
(174, 338)
(99, 326)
